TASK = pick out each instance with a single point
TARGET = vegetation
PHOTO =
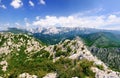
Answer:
(59, 53)
(69, 49)
(67, 68)
(2, 40)
(66, 43)
(40, 64)
(100, 67)
(101, 40)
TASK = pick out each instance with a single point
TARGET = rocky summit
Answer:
(23, 56)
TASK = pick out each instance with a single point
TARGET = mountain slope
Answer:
(23, 56)
(110, 56)
(105, 46)
(106, 42)
(102, 39)
(21, 53)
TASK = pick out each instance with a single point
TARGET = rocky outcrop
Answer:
(105, 73)
(110, 56)
(51, 75)
(4, 65)
(27, 75)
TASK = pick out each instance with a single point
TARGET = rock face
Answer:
(111, 56)
(105, 73)
(23, 50)
(27, 75)
(51, 75)
(4, 65)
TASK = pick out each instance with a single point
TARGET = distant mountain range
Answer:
(53, 35)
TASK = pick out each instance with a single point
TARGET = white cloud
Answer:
(42, 2)
(86, 21)
(27, 24)
(17, 24)
(8, 24)
(31, 3)
(3, 6)
(69, 21)
(37, 17)
(16, 3)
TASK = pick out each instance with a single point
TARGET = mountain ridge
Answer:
(32, 53)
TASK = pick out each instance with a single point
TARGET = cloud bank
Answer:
(102, 22)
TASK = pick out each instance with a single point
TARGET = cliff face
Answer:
(23, 56)
(111, 56)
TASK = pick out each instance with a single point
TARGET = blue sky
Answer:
(31, 13)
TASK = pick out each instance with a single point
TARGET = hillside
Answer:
(102, 39)
(105, 46)
(99, 42)
(23, 56)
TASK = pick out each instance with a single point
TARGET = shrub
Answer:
(2, 41)
(43, 53)
(100, 67)
(69, 49)
(67, 69)
(59, 53)
(86, 65)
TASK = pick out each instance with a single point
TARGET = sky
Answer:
(102, 14)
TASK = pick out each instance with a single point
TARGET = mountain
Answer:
(24, 56)
(100, 42)
(102, 39)
(62, 33)
(53, 35)
(106, 46)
